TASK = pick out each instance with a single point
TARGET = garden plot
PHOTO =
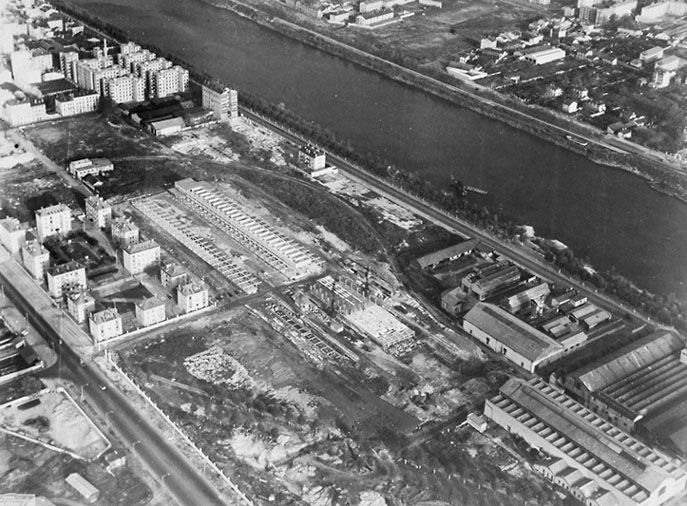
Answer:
(55, 419)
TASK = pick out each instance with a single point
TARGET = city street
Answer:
(163, 460)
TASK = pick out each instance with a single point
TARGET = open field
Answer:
(27, 187)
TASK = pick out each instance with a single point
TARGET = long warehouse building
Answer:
(598, 463)
(271, 246)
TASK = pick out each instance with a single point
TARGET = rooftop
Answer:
(11, 224)
(173, 270)
(512, 332)
(150, 303)
(105, 315)
(56, 209)
(451, 251)
(191, 288)
(628, 359)
(63, 268)
(614, 457)
(141, 246)
(35, 248)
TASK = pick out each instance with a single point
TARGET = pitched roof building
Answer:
(597, 462)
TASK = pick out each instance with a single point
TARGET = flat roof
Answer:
(58, 208)
(511, 331)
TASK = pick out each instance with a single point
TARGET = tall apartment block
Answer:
(68, 64)
(125, 89)
(223, 104)
(166, 82)
(53, 220)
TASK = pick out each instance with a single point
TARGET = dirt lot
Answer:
(32, 469)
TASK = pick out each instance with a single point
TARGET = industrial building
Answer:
(124, 232)
(312, 157)
(520, 343)
(269, 245)
(105, 325)
(36, 259)
(89, 166)
(589, 315)
(449, 254)
(98, 212)
(69, 275)
(542, 55)
(192, 297)
(643, 383)
(596, 462)
(536, 294)
(139, 256)
(83, 487)
(12, 234)
(486, 281)
(453, 300)
(53, 220)
(339, 295)
(168, 126)
(380, 326)
(150, 311)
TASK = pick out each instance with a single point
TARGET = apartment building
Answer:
(53, 220)
(172, 275)
(36, 259)
(192, 297)
(80, 305)
(138, 257)
(69, 275)
(98, 212)
(24, 112)
(124, 232)
(166, 82)
(150, 311)
(12, 234)
(224, 104)
(68, 61)
(79, 102)
(105, 325)
(125, 89)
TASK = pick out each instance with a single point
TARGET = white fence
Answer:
(205, 458)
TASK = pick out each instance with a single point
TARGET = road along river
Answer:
(609, 215)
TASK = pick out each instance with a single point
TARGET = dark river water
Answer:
(609, 215)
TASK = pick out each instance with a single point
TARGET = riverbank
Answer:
(661, 178)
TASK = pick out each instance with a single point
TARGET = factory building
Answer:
(36, 259)
(599, 464)
(486, 281)
(542, 55)
(139, 256)
(339, 295)
(536, 294)
(69, 275)
(271, 246)
(12, 234)
(643, 383)
(432, 260)
(89, 166)
(517, 341)
(53, 220)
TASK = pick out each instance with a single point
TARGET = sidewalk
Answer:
(70, 332)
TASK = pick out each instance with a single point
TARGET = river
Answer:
(607, 214)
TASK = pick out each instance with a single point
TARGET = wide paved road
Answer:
(440, 217)
(187, 486)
